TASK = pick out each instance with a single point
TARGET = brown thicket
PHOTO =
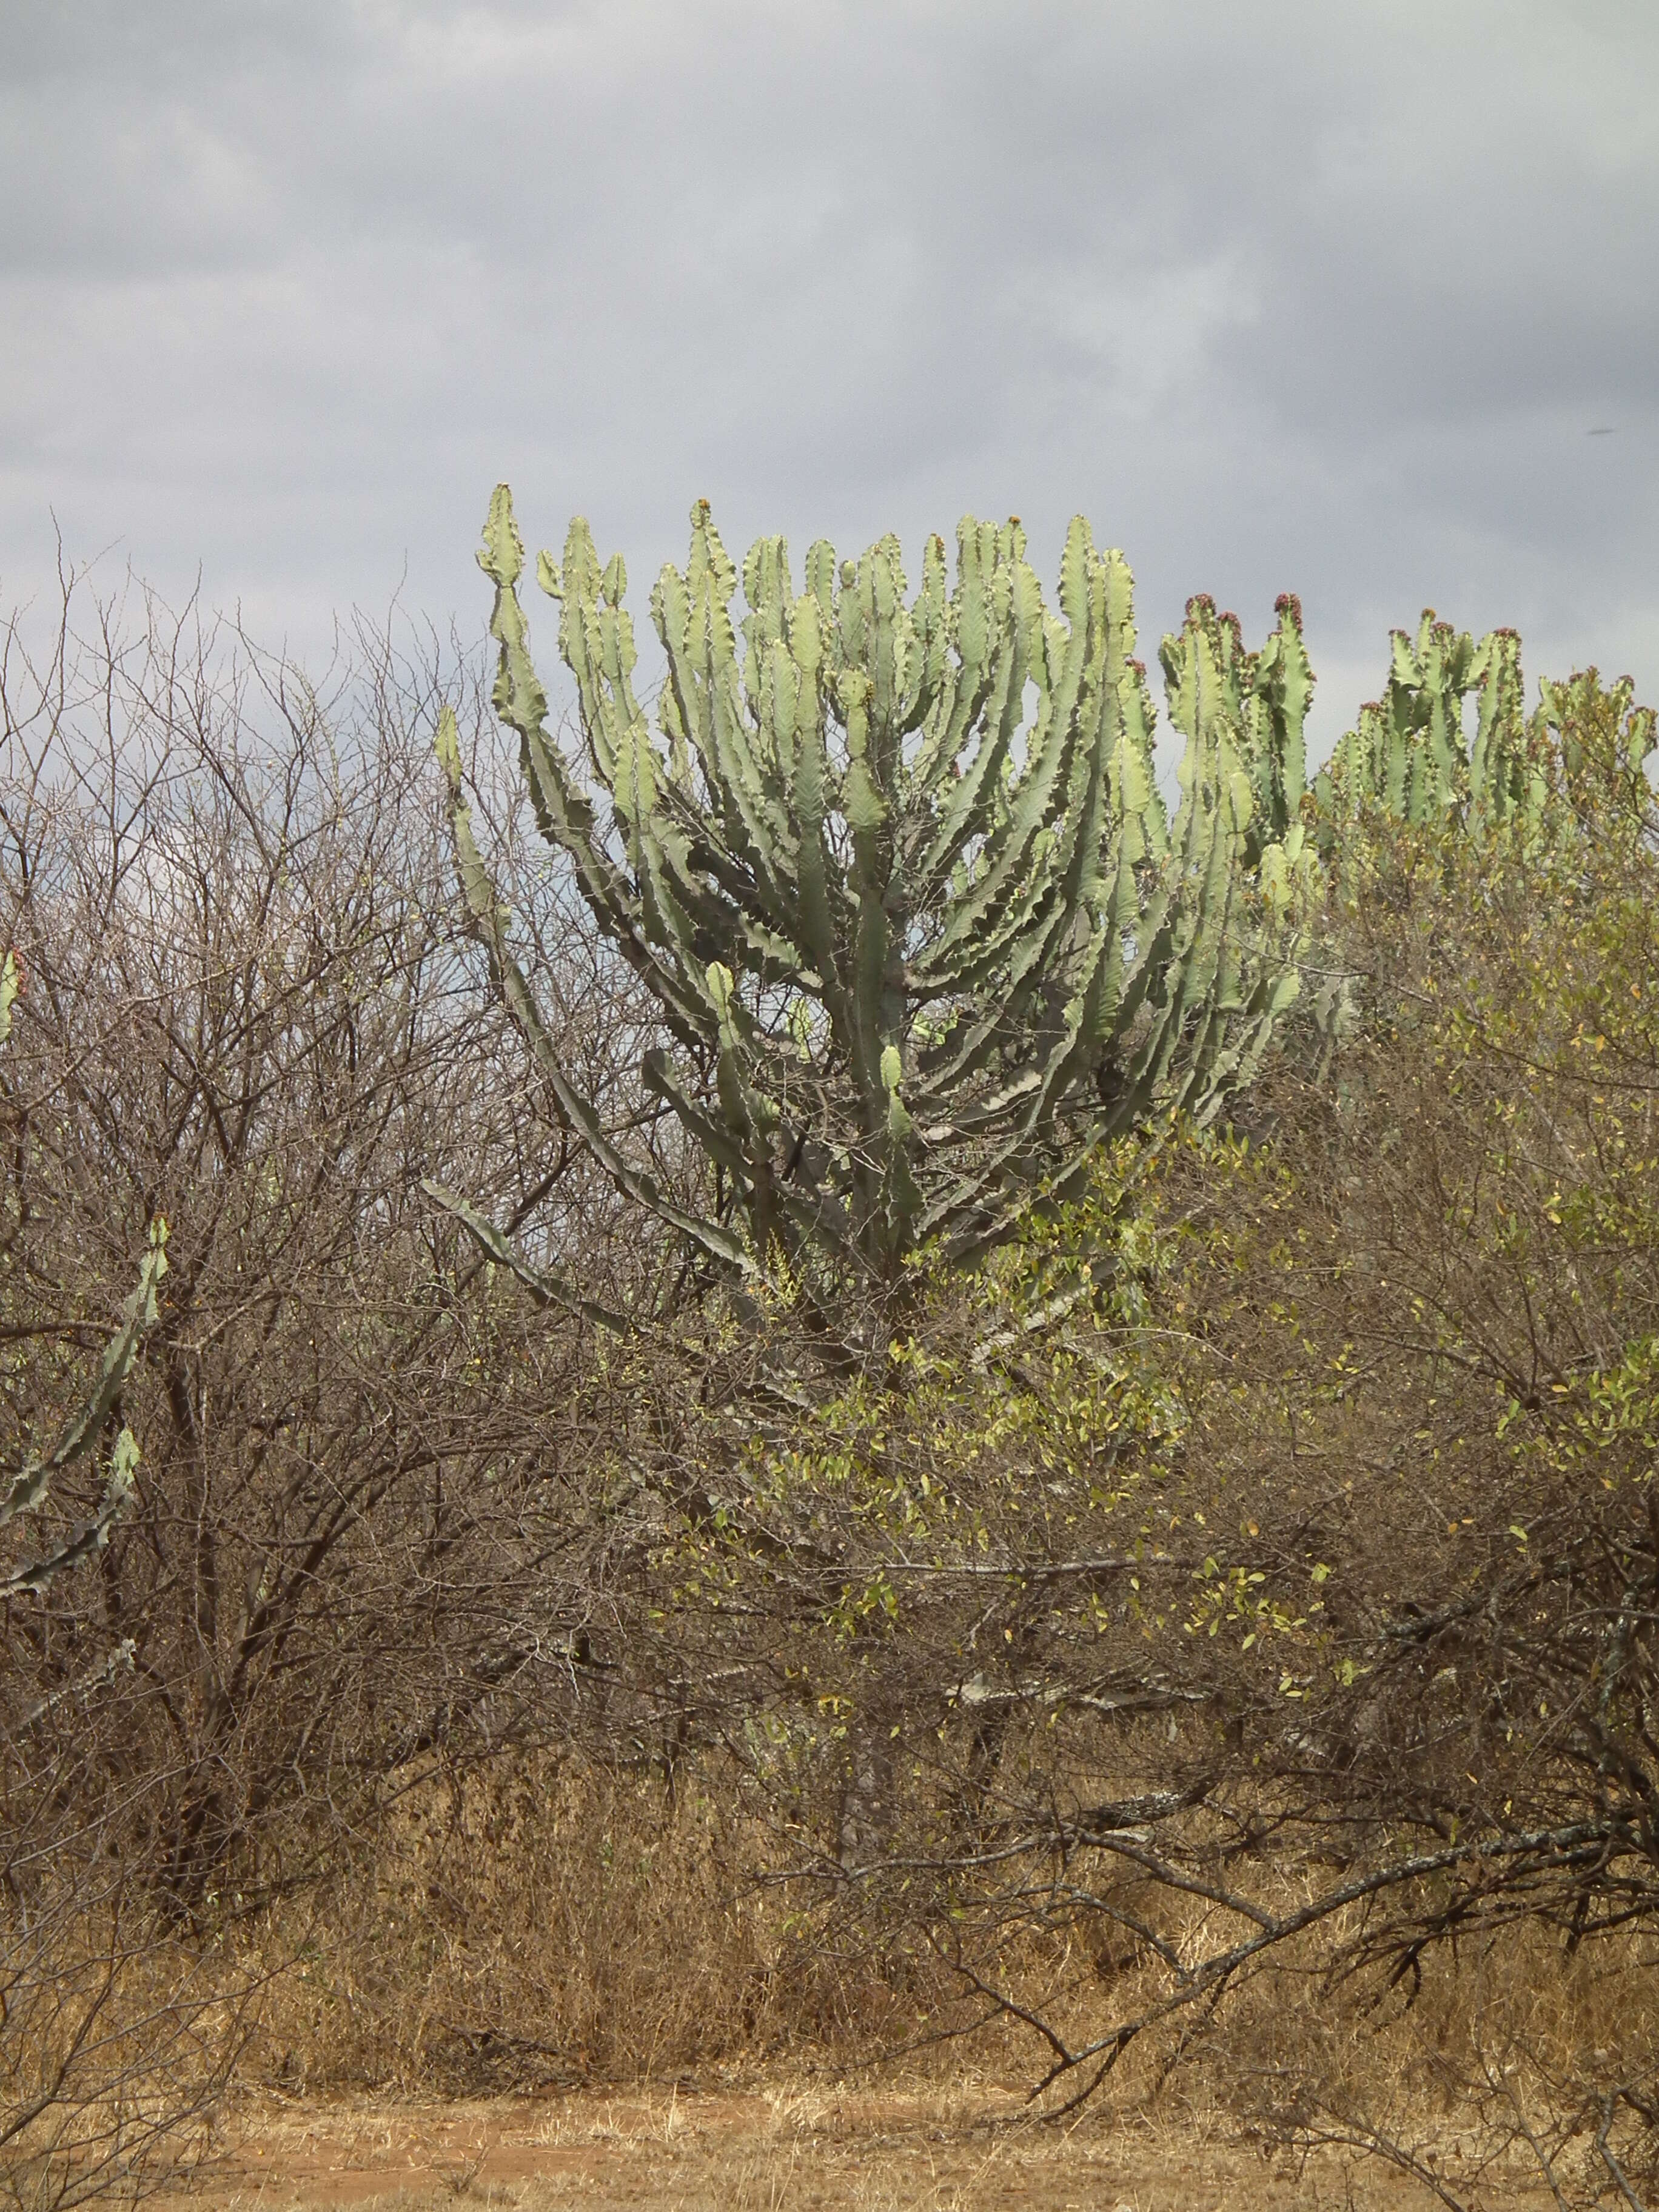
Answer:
(1227, 1630)
(365, 1528)
(1221, 1629)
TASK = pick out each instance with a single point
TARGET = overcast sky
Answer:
(1323, 294)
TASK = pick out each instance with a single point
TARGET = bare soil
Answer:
(783, 2149)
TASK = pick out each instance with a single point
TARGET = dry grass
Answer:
(117, 2044)
(791, 2148)
(577, 1927)
(558, 1923)
(569, 1930)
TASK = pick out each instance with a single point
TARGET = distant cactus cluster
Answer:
(896, 871)
(1420, 754)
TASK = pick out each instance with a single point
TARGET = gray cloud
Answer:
(1284, 295)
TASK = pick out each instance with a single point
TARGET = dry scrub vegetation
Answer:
(1202, 1664)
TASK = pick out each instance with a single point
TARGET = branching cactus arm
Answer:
(897, 871)
(1447, 739)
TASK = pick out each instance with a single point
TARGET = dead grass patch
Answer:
(788, 2147)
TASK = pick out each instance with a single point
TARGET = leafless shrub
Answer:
(370, 1523)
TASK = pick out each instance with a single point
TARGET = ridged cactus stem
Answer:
(896, 869)
(1448, 737)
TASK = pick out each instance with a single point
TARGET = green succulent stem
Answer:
(896, 869)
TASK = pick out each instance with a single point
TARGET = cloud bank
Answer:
(1282, 296)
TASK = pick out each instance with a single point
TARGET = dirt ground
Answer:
(804, 2149)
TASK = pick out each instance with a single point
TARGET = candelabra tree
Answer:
(1409, 753)
(897, 876)
(1449, 740)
